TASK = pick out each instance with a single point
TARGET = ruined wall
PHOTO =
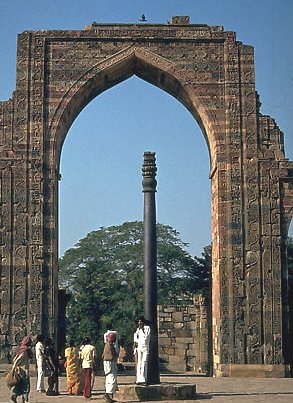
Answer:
(184, 343)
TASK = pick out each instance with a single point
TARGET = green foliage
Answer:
(104, 273)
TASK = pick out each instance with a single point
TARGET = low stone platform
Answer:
(156, 392)
(214, 390)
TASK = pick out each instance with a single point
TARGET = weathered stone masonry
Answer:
(184, 336)
(212, 74)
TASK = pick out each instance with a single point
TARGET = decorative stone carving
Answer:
(212, 75)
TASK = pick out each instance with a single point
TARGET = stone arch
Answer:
(119, 67)
(212, 75)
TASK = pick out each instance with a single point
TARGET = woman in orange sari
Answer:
(73, 384)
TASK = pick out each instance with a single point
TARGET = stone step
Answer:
(156, 392)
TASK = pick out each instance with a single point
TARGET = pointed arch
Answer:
(146, 65)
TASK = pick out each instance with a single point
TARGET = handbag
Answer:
(13, 378)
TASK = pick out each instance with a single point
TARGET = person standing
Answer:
(72, 370)
(142, 346)
(88, 357)
(110, 366)
(40, 360)
(52, 365)
(21, 363)
(109, 330)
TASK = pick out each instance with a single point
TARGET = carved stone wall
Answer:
(212, 74)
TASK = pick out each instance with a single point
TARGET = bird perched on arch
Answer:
(143, 18)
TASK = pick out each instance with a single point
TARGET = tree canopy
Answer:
(104, 273)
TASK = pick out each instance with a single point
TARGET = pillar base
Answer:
(155, 392)
(252, 370)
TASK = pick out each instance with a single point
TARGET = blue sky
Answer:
(103, 152)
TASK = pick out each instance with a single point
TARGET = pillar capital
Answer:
(149, 171)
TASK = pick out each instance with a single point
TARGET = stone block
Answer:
(180, 345)
(170, 309)
(177, 317)
(165, 326)
(164, 315)
(174, 367)
(253, 370)
(156, 392)
(181, 352)
(175, 359)
(163, 335)
(185, 340)
(178, 325)
(193, 310)
(164, 341)
(183, 333)
(191, 325)
(168, 350)
(193, 346)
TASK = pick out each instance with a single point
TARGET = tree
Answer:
(104, 273)
(198, 277)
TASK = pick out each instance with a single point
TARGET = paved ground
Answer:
(236, 390)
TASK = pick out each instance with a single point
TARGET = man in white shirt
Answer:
(88, 356)
(142, 345)
(40, 359)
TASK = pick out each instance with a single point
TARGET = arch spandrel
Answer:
(212, 75)
(148, 66)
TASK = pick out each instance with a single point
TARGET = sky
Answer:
(103, 152)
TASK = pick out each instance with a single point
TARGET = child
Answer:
(110, 367)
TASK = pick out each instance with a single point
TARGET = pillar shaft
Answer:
(149, 184)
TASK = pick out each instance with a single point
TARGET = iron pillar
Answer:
(149, 184)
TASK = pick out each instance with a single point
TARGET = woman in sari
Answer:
(73, 384)
(21, 363)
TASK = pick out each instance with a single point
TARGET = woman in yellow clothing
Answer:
(73, 381)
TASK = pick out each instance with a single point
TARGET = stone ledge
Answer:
(253, 370)
(156, 392)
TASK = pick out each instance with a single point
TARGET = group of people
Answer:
(45, 354)
(79, 364)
